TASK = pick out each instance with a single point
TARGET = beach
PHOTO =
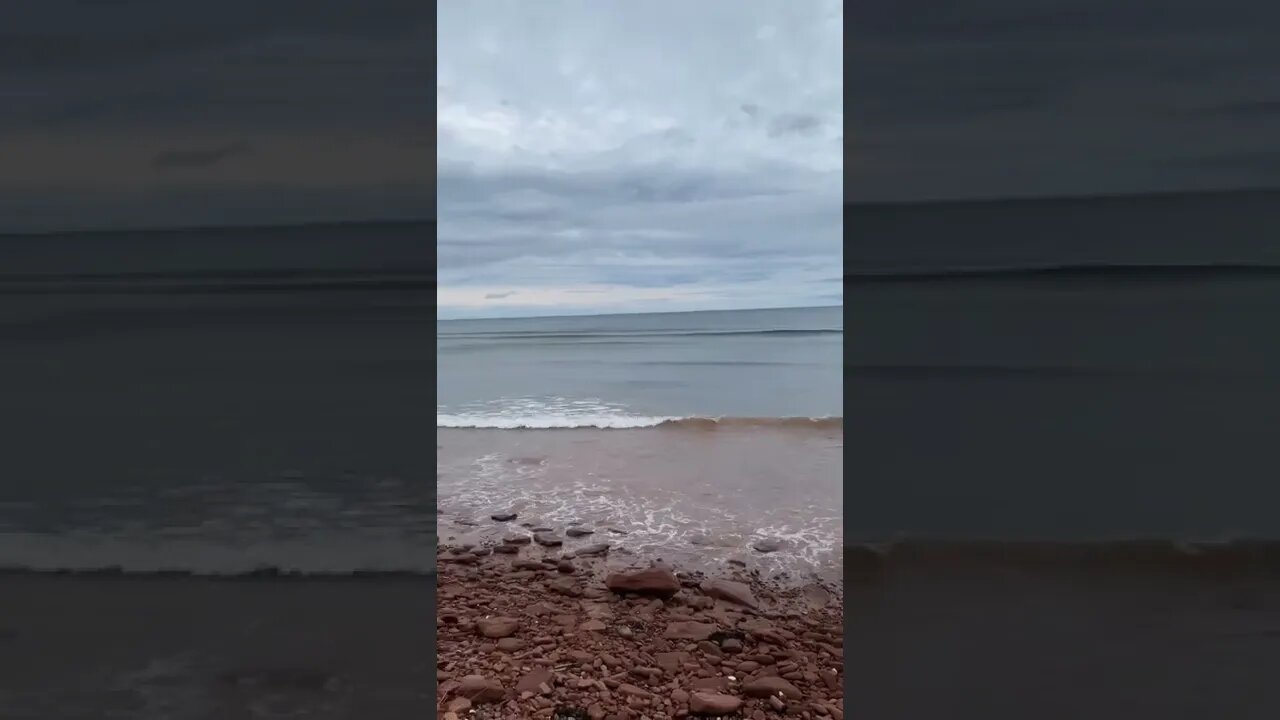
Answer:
(536, 627)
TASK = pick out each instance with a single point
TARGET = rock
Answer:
(497, 627)
(528, 565)
(659, 582)
(765, 686)
(731, 645)
(593, 626)
(510, 644)
(688, 630)
(730, 591)
(679, 696)
(507, 549)
(566, 586)
(707, 703)
(633, 691)
(776, 703)
(565, 566)
(480, 689)
(767, 545)
(458, 705)
(532, 680)
(712, 684)
(616, 531)
(672, 661)
(503, 517)
(593, 549)
(575, 532)
(547, 539)
(516, 540)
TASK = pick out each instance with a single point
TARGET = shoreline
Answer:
(528, 631)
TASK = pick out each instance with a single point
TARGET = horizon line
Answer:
(639, 312)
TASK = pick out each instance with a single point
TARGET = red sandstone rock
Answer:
(658, 582)
(713, 703)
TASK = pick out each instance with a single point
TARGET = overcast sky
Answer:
(627, 156)
(999, 98)
(151, 113)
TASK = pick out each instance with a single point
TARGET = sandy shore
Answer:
(537, 632)
(100, 647)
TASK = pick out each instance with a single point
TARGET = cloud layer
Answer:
(151, 113)
(638, 156)
(1056, 97)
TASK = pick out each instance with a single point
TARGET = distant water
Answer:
(1073, 370)
(687, 436)
(217, 401)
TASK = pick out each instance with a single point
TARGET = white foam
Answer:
(546, 413)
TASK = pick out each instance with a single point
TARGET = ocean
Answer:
(215, 489)
(689, 437)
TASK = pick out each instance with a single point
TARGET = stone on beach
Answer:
(497, 627)
(480, 689)
(503, 517)
(517, 539)
(767, 545)
(770, 685)
(574, 532)
(591, 550)
(689, 630)
(706, 703)
(730, 591)
(655, 581)
(547, 539)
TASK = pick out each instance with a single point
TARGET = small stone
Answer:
(458, 705)
(679, 696)
(593, 549)
(507, 549)
(533, 680)
(574, 532)
(565, 566)
(654, 581)
(776, 703)
(766, 686)
(510, 644)
(547, 539)
(497, 627)
(731, 645)
(688, 630)
(516, 540)
(730, 591)
(480, 689)
(593, 626)
(503, 517)
(713, 703)
(566, 586)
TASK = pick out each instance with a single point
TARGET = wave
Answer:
(627, 422)
(1070, 272)
(1245, 555)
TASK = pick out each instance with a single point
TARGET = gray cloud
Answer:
(98, 96)
(626, 157)
(1012, 97)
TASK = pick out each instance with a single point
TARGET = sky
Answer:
(1005, 98)
(617, 156)
(154, 113)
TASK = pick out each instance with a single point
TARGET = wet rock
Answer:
(565, 566)
(593, 626)
(659, 582)
(516, 540)
(547, 539)
(503, 517)
(672, 661)
(765, 686)
(566, 586)
(731, 645)
(575, 532)
(497, 627)
(510, 644)
(506, 549)
(480, 689)
(592, 550)
(707, 703)
(528, 565)
(731, 591)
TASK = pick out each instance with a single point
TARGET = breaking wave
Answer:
(624, 422)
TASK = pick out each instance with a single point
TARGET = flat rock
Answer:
(688, 630)
(532, 680)
(706, 703)
(497, 627)
(574, 532)
(507, 549)
(592, 549)
(730, 591)
(480, 689)
(659, 582)
(566, 586)
(516, 540)
(769, 685)
(503, 517)
(547, 539)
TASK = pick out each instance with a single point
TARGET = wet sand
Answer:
(81, 648)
